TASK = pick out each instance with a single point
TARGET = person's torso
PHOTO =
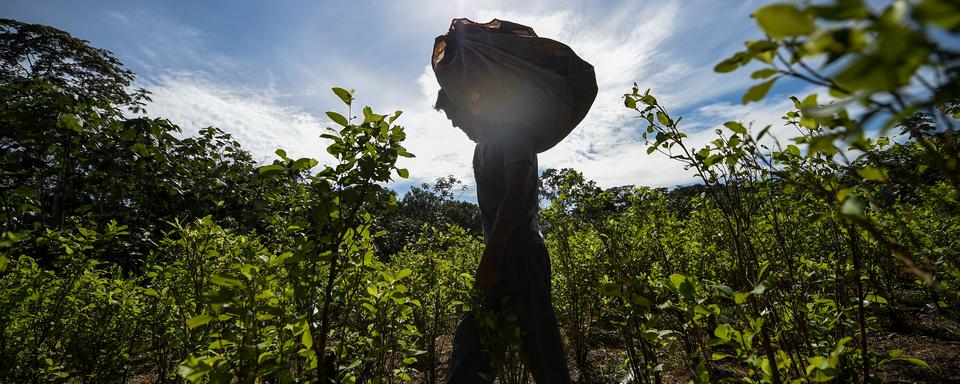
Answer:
(488, 169)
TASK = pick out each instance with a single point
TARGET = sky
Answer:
(262, 71)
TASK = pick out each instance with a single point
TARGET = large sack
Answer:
(504, 74)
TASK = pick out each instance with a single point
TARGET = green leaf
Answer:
(338, 118)
(225, 281)
(687, 288)
(842, 10)
(676, 279)
(763, 132)
(403, 172)
(764, 73)
(264, 357)
(875, 73)
(874, 298)
(741, 297)
(818, 362)
(394, 117)
(726, 66)
(736, 127)
(872, 173)
(629, 102)
(664, 119)
(784, 20)
(809, 123)
(344, 95)
(853, 206)
(720, 356)
(304, 164)
(725, 289)
(193, 368)
(760, 288)
(71, 122)
(732, 63)
(761, 46)
(915, 361)
(640, 300)
(757, 92)
(723, 332)
(943, 13)
(809, 119)
(369, 116)
(220, 344)
(307, 338)
(271, 169)
(199, 320)
(611, 289)
(793, 150)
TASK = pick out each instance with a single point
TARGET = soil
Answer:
(920, 329)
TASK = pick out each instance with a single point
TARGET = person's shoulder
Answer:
(517, 146)
(516, 136)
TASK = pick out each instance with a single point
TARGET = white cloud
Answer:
(669, 46)
(440, 149)
(631, 42)
(628, 162)
(253, 117)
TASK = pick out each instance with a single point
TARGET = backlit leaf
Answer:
(199, 320)
(344, 95)
(784, 20)
(873, 174)
(736, 127)
(337, 118)
(757, 92)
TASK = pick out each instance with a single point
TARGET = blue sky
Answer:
(263, 70)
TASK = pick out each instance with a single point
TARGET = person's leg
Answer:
(469, 362)
(529, 280)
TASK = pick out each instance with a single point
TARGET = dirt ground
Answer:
(920, 330)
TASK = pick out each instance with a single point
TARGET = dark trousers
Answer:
(525, 283)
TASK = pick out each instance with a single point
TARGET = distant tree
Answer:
(66, 150)
(40, 52)
(427, 205)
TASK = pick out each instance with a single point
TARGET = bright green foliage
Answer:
(424, 205)
(128, 251)
(65, 157)
(73, 324)
(780, 218)
(442, 262)
(353, 314)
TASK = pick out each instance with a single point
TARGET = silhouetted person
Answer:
(515, 264)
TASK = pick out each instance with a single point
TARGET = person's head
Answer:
(466, 121)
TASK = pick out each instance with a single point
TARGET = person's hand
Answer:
(487, 274)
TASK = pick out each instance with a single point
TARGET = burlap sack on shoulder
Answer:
(504, 74)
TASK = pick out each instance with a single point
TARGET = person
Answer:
(515, 267)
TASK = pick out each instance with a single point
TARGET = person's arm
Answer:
(509, 215)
